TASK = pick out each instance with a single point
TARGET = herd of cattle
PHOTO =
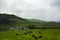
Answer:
(33, 35)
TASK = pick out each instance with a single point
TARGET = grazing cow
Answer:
(40, 37)
(17, 34)
(35, 38)
(30, 32)
(26, 33)
(33, 35)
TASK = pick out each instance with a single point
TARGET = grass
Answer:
(49, 34)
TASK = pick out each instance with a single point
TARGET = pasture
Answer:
(48, 34)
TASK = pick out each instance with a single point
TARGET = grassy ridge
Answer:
(49, 34)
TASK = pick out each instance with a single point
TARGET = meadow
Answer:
(48, 34)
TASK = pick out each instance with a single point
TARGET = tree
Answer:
(31, 26)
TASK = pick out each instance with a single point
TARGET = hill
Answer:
(12, 21)
(8, 20)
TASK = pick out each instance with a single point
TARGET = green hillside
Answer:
(12, 21)
(8, 20)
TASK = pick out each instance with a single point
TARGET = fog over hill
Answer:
(48, 10)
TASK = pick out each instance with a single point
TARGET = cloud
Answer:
(56, 4)
(48, 10)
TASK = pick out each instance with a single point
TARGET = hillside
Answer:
(8, 20)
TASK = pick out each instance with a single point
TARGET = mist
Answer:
(48, 10)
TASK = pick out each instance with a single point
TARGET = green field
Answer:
(48, 34)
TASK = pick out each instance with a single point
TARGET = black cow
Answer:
(30, 32)
(39, 36)
(17, 34)
(34, 37)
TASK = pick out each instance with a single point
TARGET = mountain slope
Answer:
(8, 20)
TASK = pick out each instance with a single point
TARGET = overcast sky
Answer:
(48, 10)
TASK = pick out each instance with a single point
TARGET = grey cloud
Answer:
(37, 9)
(56, 4)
